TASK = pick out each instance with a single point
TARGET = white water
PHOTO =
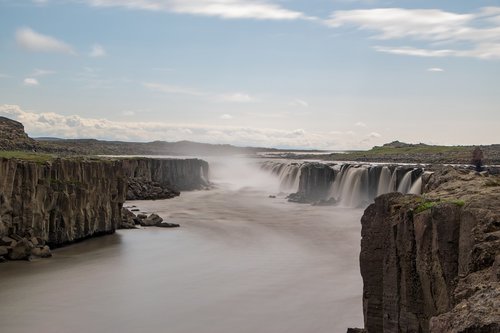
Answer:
(405, 184)
(384, 183)
(240, 263)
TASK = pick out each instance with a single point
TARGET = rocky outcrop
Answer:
(13, 137)
(430, 264)
(164, 178)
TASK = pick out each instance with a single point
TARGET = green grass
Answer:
(27, 156)
(430, 204)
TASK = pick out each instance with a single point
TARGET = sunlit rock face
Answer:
(431, 265)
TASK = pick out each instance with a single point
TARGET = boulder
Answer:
(151, 221)
(128, 219)
(167, 225)
(41, 251)
(21, 251)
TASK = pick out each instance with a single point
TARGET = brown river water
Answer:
(240, 263)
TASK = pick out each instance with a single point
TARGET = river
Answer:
(241, 262)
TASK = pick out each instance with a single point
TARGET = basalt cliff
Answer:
(431, 263)
(62, 200)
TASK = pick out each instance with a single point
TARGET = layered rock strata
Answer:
(431, 263)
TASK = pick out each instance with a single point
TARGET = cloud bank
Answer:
(64, 126)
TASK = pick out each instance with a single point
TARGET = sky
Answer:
(327, 74)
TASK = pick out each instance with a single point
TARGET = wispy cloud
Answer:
(226, 116)
(479, 30)
(42, 72)
(235, 98)
(97, 51)
(299, 102)
(30, 82)
(227, 9)
(33, 41)
(58, 125)
(238, 97)
(435, 69)
(361, 124)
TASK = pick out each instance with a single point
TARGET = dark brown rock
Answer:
(431, 265)
(21, 251)
(151, 221)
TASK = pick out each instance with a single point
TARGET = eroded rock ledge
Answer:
(59, 201)
(431, 263)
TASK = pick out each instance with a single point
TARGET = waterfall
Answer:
(384, 181)
(353, 185)
(416, 188)
(405, 184)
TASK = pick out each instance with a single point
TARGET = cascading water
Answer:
(416, 188)
(352, 185)
(384, 181)
(353, 188)
(405, 184)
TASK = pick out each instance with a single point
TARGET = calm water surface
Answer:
(240, 263)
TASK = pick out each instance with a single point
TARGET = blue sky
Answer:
(332, 74)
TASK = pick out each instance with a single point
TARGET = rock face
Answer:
(431, 265)
(164, 178)
(13, 137)
(314, 184)
(60, 201)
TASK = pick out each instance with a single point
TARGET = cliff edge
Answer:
(431, 263)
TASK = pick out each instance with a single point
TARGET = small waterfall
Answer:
(405, 184)
(416, 188)
(289, 178)
(385, 181)
(351, 186)
(394, 181)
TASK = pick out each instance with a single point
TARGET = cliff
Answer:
(59, 201)
(13, 137)
(62, 200)
(431, 263)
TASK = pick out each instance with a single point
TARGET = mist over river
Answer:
(240, 263)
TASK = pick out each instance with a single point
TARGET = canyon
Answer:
(430, 243)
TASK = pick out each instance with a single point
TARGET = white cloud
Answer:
(176, 90)
(42, 72)
(227, 9)
(474, 35)
(128, 113)
(29, 81)
(58, 125)
(35, 42)
(435, 69)
(97, 51)
(226, 116)
(235, 98)
(299, 102)
(375, 135)
(360, 124)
